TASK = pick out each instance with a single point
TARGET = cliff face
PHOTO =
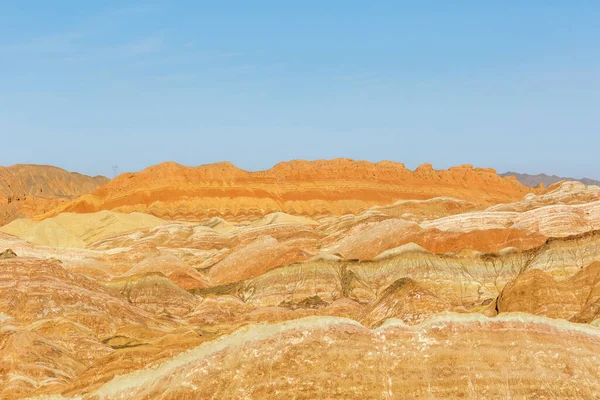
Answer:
(315, 188)
(27, 190)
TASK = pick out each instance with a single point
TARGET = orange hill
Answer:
(313, 188)
(27, 190)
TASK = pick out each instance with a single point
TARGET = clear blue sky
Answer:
(506, 84)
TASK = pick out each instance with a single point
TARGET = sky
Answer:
(511, 85)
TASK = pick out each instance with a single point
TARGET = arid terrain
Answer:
(546, 180)
(28, 190)
(312, 280)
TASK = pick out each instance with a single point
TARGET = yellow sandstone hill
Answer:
(78, 230)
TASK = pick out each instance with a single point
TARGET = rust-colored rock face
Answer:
(28, 190)
(335, 187)
(370, 286)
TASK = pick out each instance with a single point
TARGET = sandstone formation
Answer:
(449, 356)
(449, 291)
(551, 221)
(154, 292)
(173, 268)
(566, 193)
(76, 230)
(419, 210)
(28, 190)
(405, 300)
(337, 187)
(574, 299)
(7, 254)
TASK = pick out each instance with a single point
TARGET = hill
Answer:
(27, 190)
(546, 180)
(309, 188)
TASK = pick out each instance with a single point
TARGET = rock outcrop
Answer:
(77, 230)
(28, 190)
(536, 292)
(334, 279)
(8, 253)
(449, 356)
(332, 187)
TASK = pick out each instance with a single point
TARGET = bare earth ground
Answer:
(448, 294)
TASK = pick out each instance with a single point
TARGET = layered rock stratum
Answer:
(450, 356)
(431, 287)
(326, 187)
(28, 190)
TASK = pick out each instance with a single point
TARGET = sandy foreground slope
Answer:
(440, 297)
(448, 356)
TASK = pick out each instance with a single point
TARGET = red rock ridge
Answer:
(311, 188)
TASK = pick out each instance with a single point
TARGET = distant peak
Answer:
(547, 180)
(425, 167)
(462, 166)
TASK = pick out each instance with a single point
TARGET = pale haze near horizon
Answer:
(511, 85)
